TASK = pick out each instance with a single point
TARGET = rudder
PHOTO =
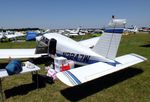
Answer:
(108, 43)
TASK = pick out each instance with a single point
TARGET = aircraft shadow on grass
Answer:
(25, 88)
(84, 90)
(20, 90)
(146, 45)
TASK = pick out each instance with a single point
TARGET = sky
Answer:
(72, 13)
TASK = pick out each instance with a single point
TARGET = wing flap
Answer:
(87, 73)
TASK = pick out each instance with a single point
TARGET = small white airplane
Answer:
(133, 29)
(76, 32)
(13, 35)
(73, 31)
(10, 35)
(98, 55)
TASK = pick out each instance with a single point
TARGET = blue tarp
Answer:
(14, 67)
(30, 36)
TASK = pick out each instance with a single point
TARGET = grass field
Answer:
(129, 85)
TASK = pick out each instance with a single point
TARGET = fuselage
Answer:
(72, 50)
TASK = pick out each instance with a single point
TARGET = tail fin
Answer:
(108, 43)
(78, 30)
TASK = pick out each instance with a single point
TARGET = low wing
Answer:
(14, 35)
(87, 73)
(18, 53)
(89, 42)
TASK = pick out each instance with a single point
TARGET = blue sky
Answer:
(72, 13)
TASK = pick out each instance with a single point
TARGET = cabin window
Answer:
(42, 45)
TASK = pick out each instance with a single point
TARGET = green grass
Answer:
(10, 45)
(130, 85)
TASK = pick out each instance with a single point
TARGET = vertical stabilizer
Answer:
(108, 43)
(77, 30)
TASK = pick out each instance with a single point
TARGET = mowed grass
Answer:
(129, 85)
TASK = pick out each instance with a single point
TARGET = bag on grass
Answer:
(14, 67)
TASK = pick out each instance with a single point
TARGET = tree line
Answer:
(19, 29)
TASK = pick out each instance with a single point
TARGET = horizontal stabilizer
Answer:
(89, 42)
(87, 73)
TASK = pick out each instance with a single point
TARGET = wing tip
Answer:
(139, 56)
(64, 79)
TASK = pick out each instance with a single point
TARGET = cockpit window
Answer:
(42, 45)
(44, 40)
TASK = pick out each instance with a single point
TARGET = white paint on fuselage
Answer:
(67, 45)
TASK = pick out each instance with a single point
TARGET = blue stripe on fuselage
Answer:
(81, 60)
(89, 61)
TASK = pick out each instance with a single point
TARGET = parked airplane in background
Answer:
(73, 31)
(133, 29)
(10, 35)
(99, 57)
(14, 35)
(69, 32)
